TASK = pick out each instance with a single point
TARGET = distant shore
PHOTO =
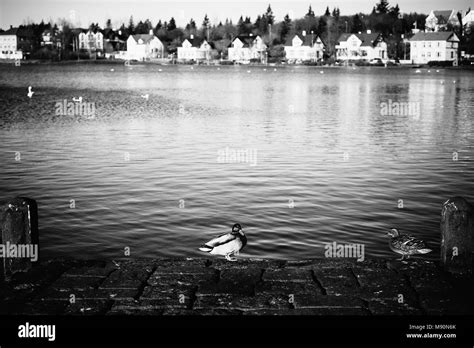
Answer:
(218, 63)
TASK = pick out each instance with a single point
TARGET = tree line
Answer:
(384, 18)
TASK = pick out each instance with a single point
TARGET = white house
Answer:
(9, 45)
(196, 49)
(245, 48)
(468, 21)
(362, 46)
(91, 41)
(304, 48)
(189, 49)
(434, 46)
(144, 47)
(439, 20)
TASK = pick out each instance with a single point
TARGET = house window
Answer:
(452, 54)
(439, 54)
(429, 54)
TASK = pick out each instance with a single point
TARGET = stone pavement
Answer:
(246, 287)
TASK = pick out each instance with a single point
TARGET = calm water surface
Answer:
(145, 173)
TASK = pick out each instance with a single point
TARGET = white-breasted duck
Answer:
(406, 245)
(228, 244)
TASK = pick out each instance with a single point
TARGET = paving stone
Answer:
(171, 279)
(392, 307)
(286, 288)
(77, 283)
(233, 281)
(127, 276)
(203, 311)
(340, 282)
(101, 270)
(38, 307)
(309, 311)
(311, 300)
(131, 307)
(65, 294)
(181, 297)
(88, 307)
(241, 302)
(288, 274)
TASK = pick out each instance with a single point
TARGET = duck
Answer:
(30, 92)
(406, 245)
(227, 244)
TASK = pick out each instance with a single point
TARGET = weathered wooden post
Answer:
(457, 236)
(18, 236)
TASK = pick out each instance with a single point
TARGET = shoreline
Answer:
(114, 62)
(210, 286)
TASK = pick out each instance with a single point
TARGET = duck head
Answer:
(237, 229)
(393, 232)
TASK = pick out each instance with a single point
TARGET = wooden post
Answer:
(457, 236)
(18, 236)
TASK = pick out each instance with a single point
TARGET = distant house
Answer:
(144, 47)
(434, 46)
(196, 49)
(189, 48)
(439, 20)
(9, 44)
(245, 48)
(468, 21)
(114, 42)
(362, 46)
(90, 40)
(304, 48)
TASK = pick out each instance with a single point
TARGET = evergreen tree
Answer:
(108, 24)
(158, 26)
(395, 11)
(382, 7)
(171, 25)
(205, 22)
(285, 28)
(357, 24)
(327, 13)
(131, 26)
(310, 12)
(270, 18)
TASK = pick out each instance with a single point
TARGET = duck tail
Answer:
(206, 248)
(424, 251)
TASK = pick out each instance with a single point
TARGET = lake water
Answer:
(327, 164)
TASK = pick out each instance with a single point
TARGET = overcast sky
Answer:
(83, 12)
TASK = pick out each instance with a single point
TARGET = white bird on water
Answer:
(30, 92)
(145, 96)
(228, 244)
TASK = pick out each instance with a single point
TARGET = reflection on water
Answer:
(144, 173)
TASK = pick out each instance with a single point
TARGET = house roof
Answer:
(432, 36)
(11, 31)
(367, 39)
(305, 39)
(146, 38)
(247, 40)
(443, 16)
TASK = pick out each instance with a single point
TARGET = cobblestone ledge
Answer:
(247, 287)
